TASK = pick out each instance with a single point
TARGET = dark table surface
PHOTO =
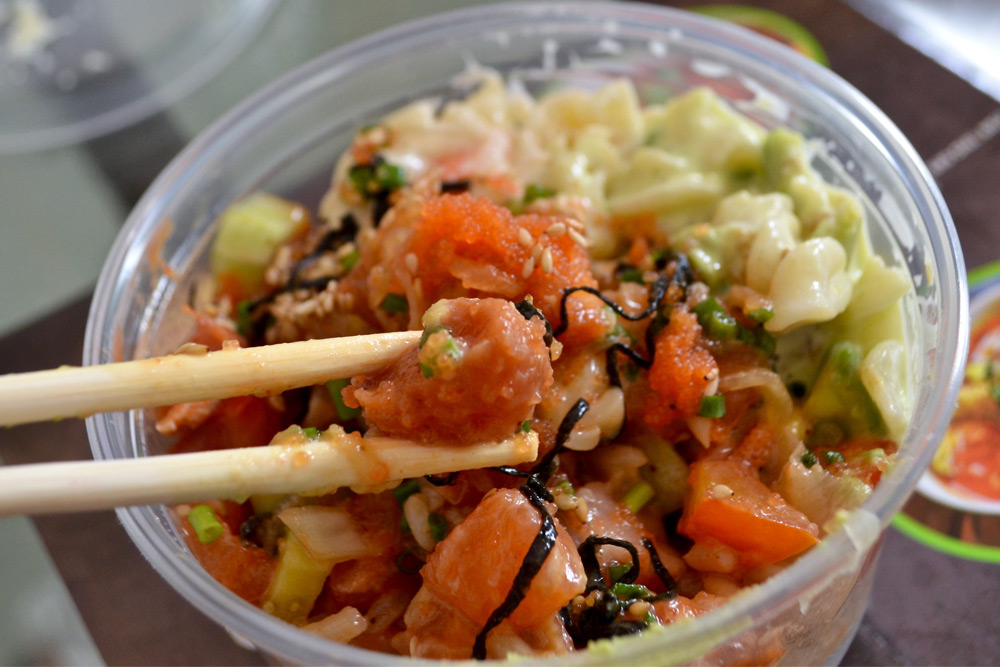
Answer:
(926, 607)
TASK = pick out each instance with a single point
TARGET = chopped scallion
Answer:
(831, 456)
(394, 304)
(407, 563)
(809, 459)
(716, 321)
(405, 490)
(311, 432)
(713, 406)
(207, 526)
(344, 413)
(244, 319)
(630, 274)
(389, 176)
(348, 261)
(619, 570)
(427, 334)
(438, 526)
(638, 496)
(535, 191)
(426, 370)
(760, 315)
(629, 591)
(526, 426)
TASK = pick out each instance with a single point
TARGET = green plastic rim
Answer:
(772, 24)
(945, 543)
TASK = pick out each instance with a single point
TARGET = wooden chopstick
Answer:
(179, 378)
(335, 460)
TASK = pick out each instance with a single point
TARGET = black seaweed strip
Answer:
(545, 467)
(611, 361)
(332, 240)
(656, 293)
(540, 547)
(380, 206)
(528, 310)
(668, 581)
(452, 187)
(588, 555)
(442, 480)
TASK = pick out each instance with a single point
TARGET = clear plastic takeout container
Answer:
(285, 140)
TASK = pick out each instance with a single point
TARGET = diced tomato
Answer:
(729, 503)
(473, 569)
(244, 421)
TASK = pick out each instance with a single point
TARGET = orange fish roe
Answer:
(681, 371)
(471, 246)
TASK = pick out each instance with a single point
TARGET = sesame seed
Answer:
(547, 260)
(557, 229)
(536, 251)
(524, 237)
(581, 509)
(529, 266)
(578, 238)
(411, 263)
(721, 492)
(575, 224)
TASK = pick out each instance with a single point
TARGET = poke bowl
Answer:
(287, 140)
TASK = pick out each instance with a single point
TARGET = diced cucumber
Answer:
(297, 582)
(250, 231)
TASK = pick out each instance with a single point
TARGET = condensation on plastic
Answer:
(285, 139)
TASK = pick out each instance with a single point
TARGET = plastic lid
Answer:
(72, 70)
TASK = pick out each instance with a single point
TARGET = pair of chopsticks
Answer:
(326, 464)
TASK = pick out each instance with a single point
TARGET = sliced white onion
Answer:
(327, 533)
(701, 428)
(584, 439)
(775, 392)
(341, 627)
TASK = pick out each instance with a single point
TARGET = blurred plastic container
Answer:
(285, 140)
(72, 70)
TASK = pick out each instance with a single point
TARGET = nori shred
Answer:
(539, 550)
(537, 494)
(453, 187)
(665, 577)
(611, 362)
(442, 480)
(528, 310)
(331, 241)
(657, 291)
(601, 619)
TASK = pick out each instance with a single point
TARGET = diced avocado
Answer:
(839, 396)
(249, 232)
(823, 209)
(666, 472)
